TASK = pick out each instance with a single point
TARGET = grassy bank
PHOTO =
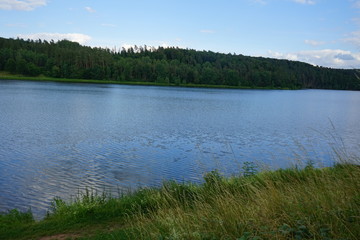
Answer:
(8, 76)
(283, 204)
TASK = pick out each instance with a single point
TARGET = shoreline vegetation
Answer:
(42, 78)
(308, 203)
(172, 66)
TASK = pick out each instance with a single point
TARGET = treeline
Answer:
(66, 59)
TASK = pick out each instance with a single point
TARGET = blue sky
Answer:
(320, 32)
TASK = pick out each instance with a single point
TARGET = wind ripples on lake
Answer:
(60, 139)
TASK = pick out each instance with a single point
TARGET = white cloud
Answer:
(289, 56)
(154, 45)
(89, 9)
(21, 5)
(356, 4)
(334, 58)
(353, 38)
(16, 25)
(127, 46)
(356, 20)
(310, 2)
(74, 37)
(314, 42)
(207, 31)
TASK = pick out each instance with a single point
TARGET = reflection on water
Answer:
(58, 139)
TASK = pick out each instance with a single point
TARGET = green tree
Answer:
(10, 65)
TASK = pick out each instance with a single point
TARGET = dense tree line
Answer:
(65, 59)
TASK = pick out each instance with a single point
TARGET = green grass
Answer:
(8, 76)
(284, 204)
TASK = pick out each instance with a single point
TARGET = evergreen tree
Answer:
(66, 59)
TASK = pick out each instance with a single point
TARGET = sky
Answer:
(319, 32)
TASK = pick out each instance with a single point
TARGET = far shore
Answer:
(7, 76)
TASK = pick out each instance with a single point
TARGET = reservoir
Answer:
(58, 139)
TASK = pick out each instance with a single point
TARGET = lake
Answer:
(57, 139)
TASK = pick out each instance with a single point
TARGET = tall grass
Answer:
(285, 204)
(307, 203)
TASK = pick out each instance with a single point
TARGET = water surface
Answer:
(57, 139)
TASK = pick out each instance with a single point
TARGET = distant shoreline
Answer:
(6, 76)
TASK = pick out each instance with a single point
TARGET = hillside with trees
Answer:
(173, 66)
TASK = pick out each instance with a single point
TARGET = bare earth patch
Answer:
(60, 237)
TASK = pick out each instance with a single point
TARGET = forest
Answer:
(168, 66)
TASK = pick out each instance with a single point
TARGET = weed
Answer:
(249, 169)
(307, 203)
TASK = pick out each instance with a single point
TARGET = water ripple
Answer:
(61, 139)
